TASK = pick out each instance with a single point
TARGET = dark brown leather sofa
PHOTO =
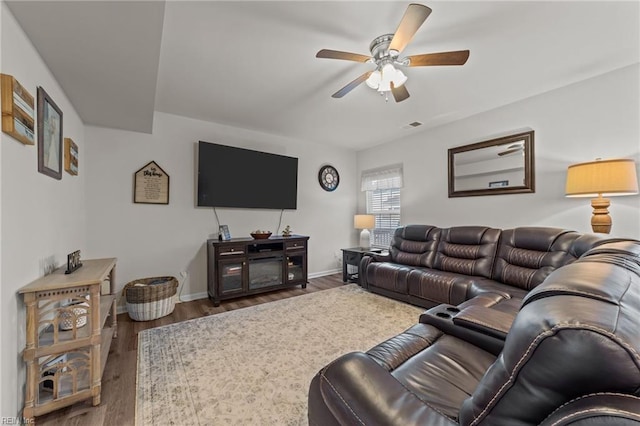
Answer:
(427, 265)
(571, 356)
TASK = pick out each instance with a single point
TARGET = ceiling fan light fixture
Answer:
(385, 84)
(374, 80)
(399, 79)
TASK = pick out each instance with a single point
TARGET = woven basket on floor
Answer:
(150, 298)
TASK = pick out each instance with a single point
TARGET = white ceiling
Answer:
(252, 64)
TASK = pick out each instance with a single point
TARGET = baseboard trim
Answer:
(193, 296)
(324, 273)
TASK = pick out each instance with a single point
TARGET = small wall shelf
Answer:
(17, 110)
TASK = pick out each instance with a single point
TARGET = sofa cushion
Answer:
(441, 370)
(414, 245)
(527, 255)
(468, 250)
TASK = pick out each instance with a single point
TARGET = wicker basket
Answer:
(150, 298)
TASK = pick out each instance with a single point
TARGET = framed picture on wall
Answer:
(49, 136)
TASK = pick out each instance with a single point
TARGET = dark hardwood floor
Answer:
(118, 399)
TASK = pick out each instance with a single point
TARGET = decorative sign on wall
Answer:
(17, 110)
(70, 156)
(151, 185)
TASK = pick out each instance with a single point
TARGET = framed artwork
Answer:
(49, 136)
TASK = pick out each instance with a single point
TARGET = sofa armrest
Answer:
(379, 257)
(367, 258)
(354, 389)
(601, 409)
(485, 320)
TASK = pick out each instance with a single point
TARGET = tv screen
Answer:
(238, 177)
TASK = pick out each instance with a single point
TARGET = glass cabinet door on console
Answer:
(231, 270)
(296, 262)
(231, 275)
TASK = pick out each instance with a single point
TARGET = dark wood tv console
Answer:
(244, 266)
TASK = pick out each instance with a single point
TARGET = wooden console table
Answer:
(68, 338)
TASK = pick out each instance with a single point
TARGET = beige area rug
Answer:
(253, 366)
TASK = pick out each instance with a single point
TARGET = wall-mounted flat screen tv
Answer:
(244, 178)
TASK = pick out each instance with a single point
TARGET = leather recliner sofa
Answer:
(571, 357)
(427, 265)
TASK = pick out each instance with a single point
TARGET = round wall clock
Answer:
(328, 177)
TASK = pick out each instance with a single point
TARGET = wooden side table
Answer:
(351, 258)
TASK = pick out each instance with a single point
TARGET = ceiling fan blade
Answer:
(400, 93)
(347, 56)
(413, 17)
(349, 87)
(510, 151)
(458, 57)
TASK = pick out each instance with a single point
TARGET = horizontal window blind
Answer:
(383, 201)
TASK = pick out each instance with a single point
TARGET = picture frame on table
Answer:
(49, 136)
(223, 233)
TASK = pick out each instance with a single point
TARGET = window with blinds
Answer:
(383, 201)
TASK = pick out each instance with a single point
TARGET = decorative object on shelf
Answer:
(17, 110)
(286, 232)
(73, 261)
(223, 233)
(602, 178)
(49, 136)
(328, 177)
(483, 168)
(364, 222)
(70, 157)
(150, 298)
(261, 235)
(151, 185)
(74, 315)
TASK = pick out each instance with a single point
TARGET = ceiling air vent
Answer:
(412, 125)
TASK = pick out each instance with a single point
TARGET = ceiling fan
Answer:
(385, 54)
(518, 147)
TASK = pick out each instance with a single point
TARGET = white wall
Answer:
(42, 219)
(153, 240)
(599, 117)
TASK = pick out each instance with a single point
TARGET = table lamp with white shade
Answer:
(364, 222)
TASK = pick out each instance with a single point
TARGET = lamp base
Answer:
(365, 239)
(601, 221)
